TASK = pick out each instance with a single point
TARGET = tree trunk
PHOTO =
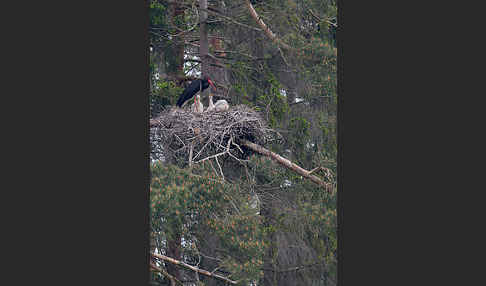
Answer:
(216, 70)
(269, 258)
(203, 42)
(177, 58)
(174, 251)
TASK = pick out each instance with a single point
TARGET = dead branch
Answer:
(201, 271)
(314, 170)
(319, 19)
(229, 19)
(214, 12)
(314, 15)
(286, 163)
(264, 27)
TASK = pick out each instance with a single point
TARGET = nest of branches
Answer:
(181, 135)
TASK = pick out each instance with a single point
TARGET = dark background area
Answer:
(79, 148)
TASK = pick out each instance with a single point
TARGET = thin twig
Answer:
(220, 169)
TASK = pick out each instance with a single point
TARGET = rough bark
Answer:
(217, 69)
(177, 69)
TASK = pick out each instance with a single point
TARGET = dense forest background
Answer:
(260, 223)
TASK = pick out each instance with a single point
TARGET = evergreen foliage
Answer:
(263, 224)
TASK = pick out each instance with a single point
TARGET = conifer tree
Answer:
(261, 224)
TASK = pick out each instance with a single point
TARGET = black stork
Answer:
(193, 88)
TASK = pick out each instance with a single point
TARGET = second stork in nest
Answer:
(220, 105)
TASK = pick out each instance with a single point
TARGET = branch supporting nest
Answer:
(288, 164)
(185, 265)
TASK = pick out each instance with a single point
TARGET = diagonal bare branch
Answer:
(185, 265)
(265, 28)
(286, 163)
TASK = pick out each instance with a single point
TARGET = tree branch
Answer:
(319, 19)
(201, 271)
(199, 61)
(264, 27)
(229, 19)
(172, 279)
(286, 163)
(214, 12)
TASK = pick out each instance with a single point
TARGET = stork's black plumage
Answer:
(193, 88)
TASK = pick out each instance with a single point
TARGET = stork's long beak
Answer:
(211, 83)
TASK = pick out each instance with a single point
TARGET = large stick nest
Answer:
(209, 134)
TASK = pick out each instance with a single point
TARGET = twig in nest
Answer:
(211, 157)
(239, 148)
